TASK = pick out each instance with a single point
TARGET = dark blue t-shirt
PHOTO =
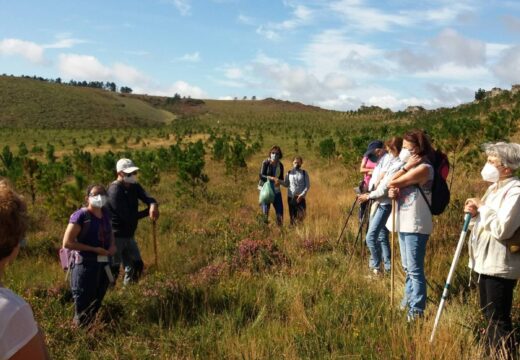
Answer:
(98, 233)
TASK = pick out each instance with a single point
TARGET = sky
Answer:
(336, 54)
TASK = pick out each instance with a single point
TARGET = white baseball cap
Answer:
(126, 165)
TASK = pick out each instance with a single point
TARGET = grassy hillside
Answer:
(37, 104)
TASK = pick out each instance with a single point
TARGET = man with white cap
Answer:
(123, 201)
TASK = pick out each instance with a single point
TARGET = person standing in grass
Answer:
(413, 216)
(123, 202)
(368, 164)
(377, 234)
(89, 234)
(272, 170)
(298, 184)
(20, 337)
(496, 217)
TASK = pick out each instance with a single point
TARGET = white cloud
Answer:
(184, 89)
(507, 67)
(357, 14)
(234, 73)
(451, 46)
(128, 74)
(301, 15)
(246, 20)
(63, 43)
(512, 23)
(184, 6)
(26, 49)
(193, 57)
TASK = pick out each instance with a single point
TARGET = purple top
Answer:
(94, 231)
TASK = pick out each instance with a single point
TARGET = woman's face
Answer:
(410, 146)
(496, 162)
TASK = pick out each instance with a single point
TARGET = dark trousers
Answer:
(89, 283)
(296, 210)
(496, 299)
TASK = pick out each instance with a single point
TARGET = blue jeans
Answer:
(377, 237)
(413, 250)
(128, 254)
(89, 284)
(278, 208)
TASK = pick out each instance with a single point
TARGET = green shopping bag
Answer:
(266, 194)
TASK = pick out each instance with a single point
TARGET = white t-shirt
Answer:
(17, 324)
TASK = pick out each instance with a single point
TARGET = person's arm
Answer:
(263, 171)
(286, 181)
(503, 219)
(69, 241)
(34, 349)
(153, 211)
(362, 168)
(418, 175)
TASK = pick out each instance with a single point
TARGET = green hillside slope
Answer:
(32, 103)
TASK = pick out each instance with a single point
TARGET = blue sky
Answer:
(337, 54)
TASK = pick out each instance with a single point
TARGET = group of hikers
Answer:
(405, 171)
(401, 171)
(97, 241)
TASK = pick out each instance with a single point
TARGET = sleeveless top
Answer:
(413, 214)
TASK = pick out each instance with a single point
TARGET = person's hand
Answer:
(299, 198)
(413, 161)
(362, 198)
(154, 212)
(276, 181)
(471, 206)
(112, 249)
(101, 251)
(393, 193)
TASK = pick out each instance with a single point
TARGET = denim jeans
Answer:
(278, 208)
(413, 250)
(377, 238)
(128, 254)
(89, 283)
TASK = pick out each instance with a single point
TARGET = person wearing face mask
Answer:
(272, 170)
(496, 217)
(298, 184)
(89, 234)
(369, 162)
(377, 234)
(20, 336)
(124, 195)
(413, 216)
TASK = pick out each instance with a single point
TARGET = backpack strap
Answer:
(424, 197)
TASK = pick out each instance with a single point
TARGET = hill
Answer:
(38, 104)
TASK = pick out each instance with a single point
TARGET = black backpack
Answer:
(440, 189)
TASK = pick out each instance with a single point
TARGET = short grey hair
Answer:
(508, 153)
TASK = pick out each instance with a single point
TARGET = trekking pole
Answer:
(346, 221)
(154, 235)
(467, 218)
(392, 251)
(363, 217)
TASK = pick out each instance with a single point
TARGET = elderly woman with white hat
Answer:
(496, 218)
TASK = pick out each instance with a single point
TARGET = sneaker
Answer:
(374, 274)
(414, 316)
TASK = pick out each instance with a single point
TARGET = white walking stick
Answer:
(467, 218)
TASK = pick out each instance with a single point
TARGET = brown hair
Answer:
(420, 139)
(13, 219)
(275, 148)
(395, 144)
(298, 157)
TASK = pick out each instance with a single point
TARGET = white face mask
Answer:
(132, 179)
(405, 154)
(490, 173)
(98, 201)
(275, 156)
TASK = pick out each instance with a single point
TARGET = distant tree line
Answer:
(108, 85)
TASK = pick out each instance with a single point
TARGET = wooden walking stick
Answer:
(392, 251)
(154, 235)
